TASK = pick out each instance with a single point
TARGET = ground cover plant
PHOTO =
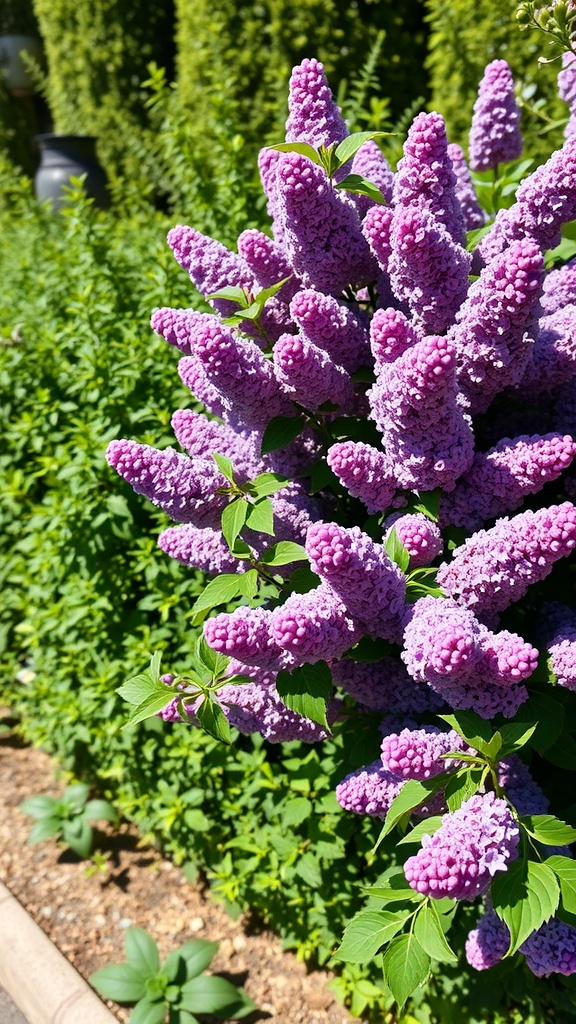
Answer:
(381, 482)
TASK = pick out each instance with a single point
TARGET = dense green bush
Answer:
(464, 38)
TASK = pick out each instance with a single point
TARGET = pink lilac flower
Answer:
(176, 326)
(559, 288)
(366, 472)
(418, 534)
(369, 790)
(414, 404)
(253, 707)
(314, 626)
(418, 753)
(490, 329)
(488, 942)
(370, 163)
(557, 629)
(376, 228)
(428, 269)
(474, 215)
(313, 116)
(551, 949)
(462, 857)
(185, 488)
(294, 513)
(385, 686)
(334, 327)
(493, 568)
(425, 178)
(545, 200)
(369, 584)
(495, 134)
(553, 359)
(391, 334)
(321, 230)
(266, 261)
(309, 376)
(500, 479)
(204, 549)
(201, 436)
(210, 264)
(193, 375)
(268, 162)
(567, 90)
(244, 634)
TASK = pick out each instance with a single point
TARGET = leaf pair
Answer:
(68, 818)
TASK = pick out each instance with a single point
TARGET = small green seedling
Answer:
(68, 818)
(172, 992)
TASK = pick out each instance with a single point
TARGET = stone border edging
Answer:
(38, 978)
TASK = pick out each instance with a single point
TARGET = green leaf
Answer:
(230, 292)
(149, 1011)
(209, 994)
(475, 730)
(547, 829)
(100, 810)
(565, 870)
(120, 982)
(224, 465)
(43, 829)
(429, 504)
(462, 786)
(215, 662)
(303, 580)
(136, 689)
(213, 720)
(273, 289)
(349, 146)
(151, 705)
(396, 550)
(261, 516)
(406, 966)
(179, 1016)
(296, 811)
(141, 951)
(249, 583)
(412, 794)
(79, 837)
(473, 237)
(281, 431)
(75, 796)
(306, 690)
(563, 752)
(308, 868)
(233, 518)
(154, 666)
(548, 714)
(299, 147)
(524, 897)
(39, 806)
(220, 590)
(367, 932)
(267, 483)
(427, 827)
(284, 552)
(368, 649)
(360, 185)
(515, 735)
(430, 934)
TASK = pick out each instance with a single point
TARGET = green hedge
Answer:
(464, 38)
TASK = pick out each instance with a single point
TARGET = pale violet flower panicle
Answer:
(245, 634)
(309, 376)
(176, 326)
(313, 116)
(314, 626)
(488, 942)
(495, 136)
(391, 334)
(338, 329)
(369, 790)
(553, 357)
(210, 264)
(418, 534)
(201, 436)
(474, 215)
(256, 707)
(376, 228)
(203, 549)
(419, 753)
(567, 90)
(385, 685)
(559, 287)
(366, 472)
(370, 163)
(551, 949)
(557, 630)
(425, 177)
(194, 376)
(462, 857)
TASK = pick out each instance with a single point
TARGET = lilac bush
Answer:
(379, 483)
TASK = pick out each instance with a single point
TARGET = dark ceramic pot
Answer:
(63, 157)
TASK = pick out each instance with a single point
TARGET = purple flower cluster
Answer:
(551, 949)
(495, 133)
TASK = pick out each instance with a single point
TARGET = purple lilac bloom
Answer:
(376, 228)
(474, 215)
(266, 261)
(567, 90)
(294, 513)
(176, 326)
(366, 472)
(370, 585)
(554, 354)
(314, 626)
(385, 686)
(428, 269)
(418, 753)
(204, 549)
(425, 178)
(490, 329)
(414, 404)
(545, 201)
(551, 949)
(244, 634)
(391, 334)
(201, 436)
(253, 707)
(313, 116)
(369, 790)
(331, 325)
(462, 857)
(308, 375)
(242, 374)
(559, 287)
(500, 479)
(370, 163)
(558, 633)
(488, 942)
(194, 377)
(268, 162)
(493, 568)
(419, 535)
(321, 231)
(210, 264)
(185, 488)
(515, 779)
(495, 134)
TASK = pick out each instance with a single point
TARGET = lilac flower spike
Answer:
(462, 857)
(204, 549)
(414, 404)
(428, 270)
(553, 360)
(321, 231)
(558, 634)
(559, 288)
(201, 436)
(176, 326)
(474, 215)
(495, 134)
(385, 686)
(391, 334)
(256, 707)
(551, 949)
(340, 331)
(376, 228)
(308, 375)
(369, 584)
(493, 568)
(313, 116)
(419, 535)
(567, 90)
(366, 472)
(194, 377)
(245, 634)
(369, 790)
(418, 753)
(185, 488)
(313, 626)
(488, 942)
(425, 177)
(210, 264)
